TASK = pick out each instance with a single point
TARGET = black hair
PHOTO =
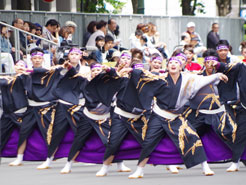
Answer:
(110, 20)
(32, 26)
(210, 52)
(108, 38)
(91, 25)
(35, 50)
(223, 42)
(101, 24)
(15, 21)
(100, 37)
(138, 33)
(144, 38)
(52, 22)
(117, 30)
(176, 52)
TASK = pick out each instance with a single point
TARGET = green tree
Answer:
(98, 6)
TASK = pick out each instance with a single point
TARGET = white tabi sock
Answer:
(139, 173)
(206, 169)
(67, 168)
(103, 171)
(17, 161)
(46, 164)
(122, 167)
(234, 167)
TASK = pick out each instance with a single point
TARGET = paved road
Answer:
(85, 175)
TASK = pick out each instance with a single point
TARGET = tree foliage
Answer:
(99, 6)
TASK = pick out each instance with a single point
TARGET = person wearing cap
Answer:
(198, 48)
(169, 116)
(116, 56)
(6, 50)
(72, 27)
(191, 31)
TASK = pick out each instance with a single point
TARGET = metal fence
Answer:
(170, 28)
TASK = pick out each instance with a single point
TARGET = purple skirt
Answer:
(93, 151)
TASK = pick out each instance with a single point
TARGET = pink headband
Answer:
(75, 50)
(211, 58)
(125, 55)
(157, 58)
(219, 47)
(174, 59)
(182, 55)
(138, 66)
(96, 66)
(21, 62)
(37, 54)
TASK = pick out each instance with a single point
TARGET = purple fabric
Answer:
(93, 151)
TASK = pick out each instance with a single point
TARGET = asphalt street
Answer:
(83, 174)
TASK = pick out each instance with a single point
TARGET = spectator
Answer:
(135, 39)
(116, 56)
(191, 66)
(72, 27)
(38, 32)
(6, 49)
(213, 36)
(113, 32)
(97, 54)
(19, 23)
(101, 30)
(49, 30)
(198, 49)
(112, 27)
(63, 36)
(106, 53)
(91, 28)
(185, 39)
(191, 31)
(243, 50)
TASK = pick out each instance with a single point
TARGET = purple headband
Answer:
(125, 55)
(219, 47)
(21, 62)
(96, 65)
(75, 50)
(174, 59)
(182, 55)
(138, 66)
(37, 54)
(157, 58)
(211, 58)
